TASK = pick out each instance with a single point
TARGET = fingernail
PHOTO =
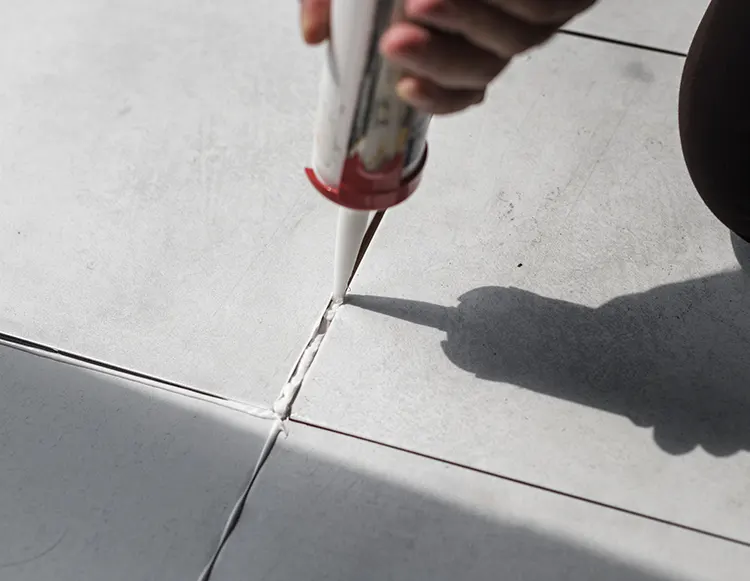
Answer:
(395, 45)
(312, 28)
(408, 90)
(305, 25)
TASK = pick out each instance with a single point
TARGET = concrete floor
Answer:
(155, 211)
(540, 373)
(666, 25)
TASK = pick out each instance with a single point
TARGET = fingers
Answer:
(452, 49)
(432, 98)
(554, 12)
(315, 20)
(443, 73)
(482, 24)
(447, 60)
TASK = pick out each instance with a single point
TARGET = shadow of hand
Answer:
(657, 357)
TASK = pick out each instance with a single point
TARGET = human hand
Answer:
(451, 50)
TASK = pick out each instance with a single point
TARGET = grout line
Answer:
(527, 484)
(282, 407)
(98, 366)
(627, 43)
(239, 506)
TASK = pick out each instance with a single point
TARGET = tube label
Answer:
(365, 134)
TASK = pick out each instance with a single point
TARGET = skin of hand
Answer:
(451, 50)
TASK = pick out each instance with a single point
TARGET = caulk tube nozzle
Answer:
(350, 230)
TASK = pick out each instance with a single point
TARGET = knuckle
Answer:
(461, 101)
(485, 78)
(474, 101)
(533, 37)
(474, 79)
(492, 70)
(534, 11)
(444, 109)
(426, 8)
(515, 44)
(510, 37)
(450, 107)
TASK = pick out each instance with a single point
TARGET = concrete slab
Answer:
(104, 478)
(666, 24)
(556, 304)
(334, 508)
(154, 209)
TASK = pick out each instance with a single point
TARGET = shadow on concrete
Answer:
(675, 358)
(741, 251)
(314, 517)
(107, 479)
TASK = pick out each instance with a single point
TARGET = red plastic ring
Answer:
(372, 200)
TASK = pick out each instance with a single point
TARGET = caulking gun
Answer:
(370, 147)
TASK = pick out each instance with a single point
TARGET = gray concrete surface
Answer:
(664, 24)
(560, 308)
(555, 305)
(154, 209)
(106, 478)
(330, 507)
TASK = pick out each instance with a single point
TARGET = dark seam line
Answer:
(527, 484)
(20, 342)
(108, 366)
(366, 240)
(13, 340)
(239, 508)
(623, 43)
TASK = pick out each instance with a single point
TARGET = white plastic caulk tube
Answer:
(370, 147)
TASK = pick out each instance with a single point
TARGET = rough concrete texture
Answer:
(558, 307)
(104, 478)
(662, 24)
(334, 508)
(154, 209)
(555, 306)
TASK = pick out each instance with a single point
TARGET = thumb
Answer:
(315, 20)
